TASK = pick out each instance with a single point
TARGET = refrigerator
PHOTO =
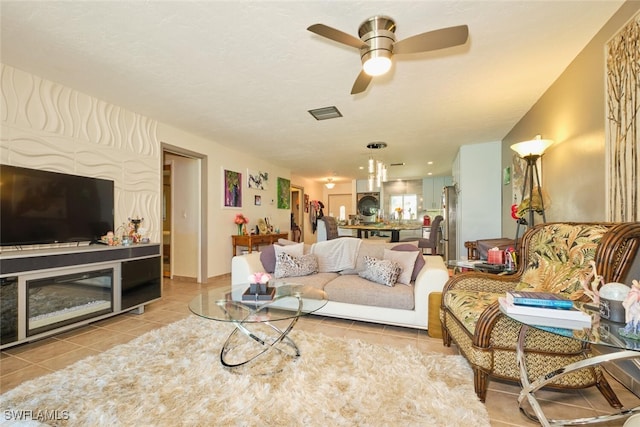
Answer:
(449, 214)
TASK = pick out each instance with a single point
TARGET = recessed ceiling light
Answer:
(429, 163)
(325, 113)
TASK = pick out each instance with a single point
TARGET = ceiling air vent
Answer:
(325, 113)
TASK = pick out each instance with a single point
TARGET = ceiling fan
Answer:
(377, 44)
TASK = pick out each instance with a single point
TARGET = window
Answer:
(407, 202)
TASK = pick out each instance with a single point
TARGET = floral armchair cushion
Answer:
(468, 305)
(559, 256)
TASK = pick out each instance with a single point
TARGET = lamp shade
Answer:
(330, 184)
(534, 147)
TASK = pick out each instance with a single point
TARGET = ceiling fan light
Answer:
(377, 65)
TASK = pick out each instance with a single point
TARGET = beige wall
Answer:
(572, 113)
(49, 126)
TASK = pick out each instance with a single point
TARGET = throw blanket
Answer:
(336, 254)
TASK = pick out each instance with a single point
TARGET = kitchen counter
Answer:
(395, 228)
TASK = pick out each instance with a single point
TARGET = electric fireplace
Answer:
(55, 301)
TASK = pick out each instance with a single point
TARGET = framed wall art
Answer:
(232, 191)
(257, 179)
(506, 175)
(284, 193)
(622, 129)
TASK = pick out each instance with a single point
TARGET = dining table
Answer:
(363, 230)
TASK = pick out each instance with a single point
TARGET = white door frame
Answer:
(202, 249)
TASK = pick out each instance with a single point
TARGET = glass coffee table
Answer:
(261, 327)
(602, 332)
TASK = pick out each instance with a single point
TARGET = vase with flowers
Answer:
(240, 221)
(259, 283)
(399, 214)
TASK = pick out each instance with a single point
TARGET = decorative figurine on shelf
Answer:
(591, 290)
(262, 226)
(121, 235)
(632, 313)
(110, 239)
(134, 226)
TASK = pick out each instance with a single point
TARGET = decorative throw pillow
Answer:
(419, 259)
(268, 258)
(292, 266)
(406, 260)
(295, 250)
(287, 242)
(382, 271)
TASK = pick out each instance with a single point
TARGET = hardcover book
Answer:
(539, 299)
(547, 313)
(552, 325)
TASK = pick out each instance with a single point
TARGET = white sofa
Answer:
(353, 289)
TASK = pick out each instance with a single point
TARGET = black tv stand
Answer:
(98, 281)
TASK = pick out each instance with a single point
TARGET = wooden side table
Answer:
(251, 241)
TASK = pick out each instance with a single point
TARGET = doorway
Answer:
(166, 219)
(297, 213)
(184, 201)
(339, 206)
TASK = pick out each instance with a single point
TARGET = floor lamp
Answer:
(531, 151)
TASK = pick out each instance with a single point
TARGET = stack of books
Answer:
(543, 309)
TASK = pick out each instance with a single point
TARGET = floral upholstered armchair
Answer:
(554, 257)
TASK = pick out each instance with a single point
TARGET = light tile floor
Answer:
(27, 361)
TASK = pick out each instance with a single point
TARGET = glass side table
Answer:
(602, 332)
(463, 265)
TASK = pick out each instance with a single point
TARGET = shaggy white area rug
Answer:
(173, 377)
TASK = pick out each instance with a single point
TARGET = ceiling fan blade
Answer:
(361, 83)
(433, 40)
(337, 35)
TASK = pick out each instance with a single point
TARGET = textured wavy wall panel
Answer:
(30, 149)
(49, 126)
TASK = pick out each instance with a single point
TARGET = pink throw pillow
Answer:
(419, 259)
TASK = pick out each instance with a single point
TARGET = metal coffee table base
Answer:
(280, 341)
(529, 388)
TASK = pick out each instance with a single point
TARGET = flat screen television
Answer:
(40, 207)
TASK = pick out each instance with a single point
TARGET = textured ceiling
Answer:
(245, 73)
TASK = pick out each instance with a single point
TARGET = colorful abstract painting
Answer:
(284, 193)
(232, 189)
